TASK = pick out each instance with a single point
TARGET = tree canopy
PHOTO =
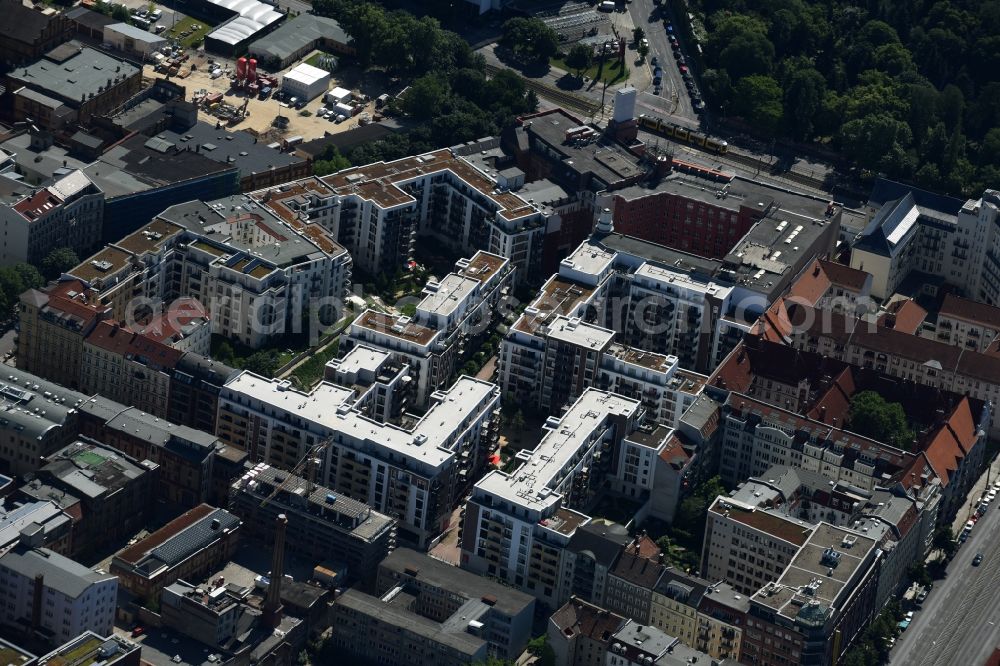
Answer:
(907, 88)
(58, 261)
(529, 38)
(14, 280)
(870, 415)
(450, 93)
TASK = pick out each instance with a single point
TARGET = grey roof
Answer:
(31, 406)
(91, 470)
(322, 504)
(39, 97)
(647, 638)
(302, 31)
(885, 190)
(45, 162)
(603, 542)
(204, 369)
(132, 166)
(193, 538)
(447, 577)
(391, 615)
(46, 514)
(204, 218)
(61, 573)
(659, 254)
(682, 587)
(192, 444)
(89, 18)
(237, 149)
(75, 77)
(137, 34)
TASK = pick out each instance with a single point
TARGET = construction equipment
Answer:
(310, 459)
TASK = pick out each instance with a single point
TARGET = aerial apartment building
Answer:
(71, 84)
(380, 209)
(191, 546)
(413, 468)
(66, 213)
(49, 593)
(256, 274)
(442, 592)
(323, 526)
(517, 525)
(820, 604)
(451, 311)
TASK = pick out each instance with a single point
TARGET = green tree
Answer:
(579, 58)
(759, 99)
(58, 261)
(870, 415)
(529, 38)
(425, 97)
(264, 362)
(803, 99)
(944, 540)
(637, 34)
(330, 161)
(643, 51)
(539, 647)
(874, 139)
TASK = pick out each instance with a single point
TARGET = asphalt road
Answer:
(673, 99)
(960, 620)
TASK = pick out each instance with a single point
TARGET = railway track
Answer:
(794, 176)
(561, 97)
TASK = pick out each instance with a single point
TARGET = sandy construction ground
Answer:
(261, 112)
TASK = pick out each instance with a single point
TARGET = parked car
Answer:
(654, 62)
(922, 596)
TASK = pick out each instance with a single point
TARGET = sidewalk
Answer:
(991, 474)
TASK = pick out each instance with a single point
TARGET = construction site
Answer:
(241, 96)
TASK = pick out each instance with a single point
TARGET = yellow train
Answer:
(682, 134)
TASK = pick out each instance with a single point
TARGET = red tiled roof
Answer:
(971, 311)
(952, 442)
(123, 341)
(903, 315)
(836, 402)
(844, 276)
(134, 553)
(674, 454)
(812, 284)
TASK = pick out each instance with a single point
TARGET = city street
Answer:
(960, 620)
(673, 99)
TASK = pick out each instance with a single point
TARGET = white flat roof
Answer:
(589, 258)
(306, 74)
(361, 357)
(531, 484)
(450, 293)
(322, 407)
(339, 93)
(665, 275)
(579, 333)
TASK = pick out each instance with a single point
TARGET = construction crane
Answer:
(307, 460)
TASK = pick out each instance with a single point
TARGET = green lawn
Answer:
(187, 24)
(613, 71)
